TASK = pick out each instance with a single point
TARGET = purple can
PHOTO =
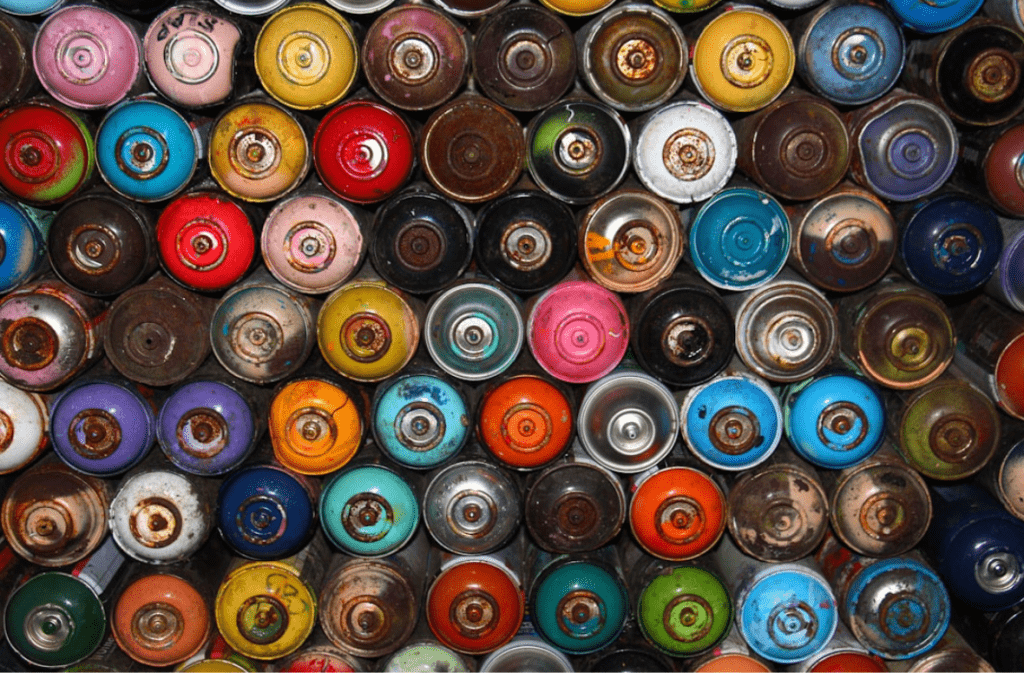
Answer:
(206, 427)
(102, 426)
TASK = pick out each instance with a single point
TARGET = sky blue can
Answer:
(739, 239)
(732, 422)
(786, 612)
(368, 510)
(950, 243)
(834, 420)
(420, 420)
(102, 426)
(146, 151)
(578, 606)
(265, 512)
(23, 232)
(849, 53)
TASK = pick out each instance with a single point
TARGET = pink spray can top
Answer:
(87, 57)
(578, 331)
(190, 55)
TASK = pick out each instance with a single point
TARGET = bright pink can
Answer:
(88, 57)
(578, 331)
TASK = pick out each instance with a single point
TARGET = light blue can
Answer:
(146, 150)
(23, 232)
(786, 612)
(29, 7)
(834, 420)
(733, 422)
(420, 420)
(739, 239)
(849, 53)
(368, 510)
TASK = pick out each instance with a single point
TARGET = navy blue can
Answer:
(977, 547)
(949, 243)
(266, 512)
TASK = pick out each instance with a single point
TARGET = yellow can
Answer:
(267, 609)
(315, 426)
(368, 330)
(258, 151)
(577, 7)
(306, 56)
(742, 59)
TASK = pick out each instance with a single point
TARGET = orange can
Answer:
(677, 513)
(315, 426)
(525, 421)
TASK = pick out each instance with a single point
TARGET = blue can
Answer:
(903, 146)
(897, 607)
(786, 612)
(146, 150)
(101, 426)
(977, 547)
(934, 16)
(369, 510)
(265, 512)
(834, 420)
(733, 422)
(29, 7)
(739, 239)
(206, 427)
(849, 53)
(578, 606)
(420, 420)
(23, 232)
(950, 243)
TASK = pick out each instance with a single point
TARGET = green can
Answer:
(54, 620)
(684, 610)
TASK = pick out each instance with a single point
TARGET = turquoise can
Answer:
(369, 510)
(579, 606)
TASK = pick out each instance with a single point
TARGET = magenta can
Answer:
(315, 242)
(578, 331)
(88, 57)
(190, 55)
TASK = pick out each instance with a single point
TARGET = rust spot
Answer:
(29, 343)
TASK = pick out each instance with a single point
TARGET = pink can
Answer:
(190, 55)
(314, 243)
(578, 331)
(88, 57)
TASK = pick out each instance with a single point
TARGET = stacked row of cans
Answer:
(480, 322)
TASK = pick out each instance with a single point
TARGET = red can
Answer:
(48, 152)
(206, 241)
(363, 151)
